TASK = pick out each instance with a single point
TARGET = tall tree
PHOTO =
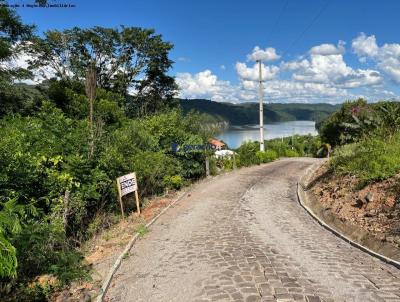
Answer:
(126, 59)
(13, 34)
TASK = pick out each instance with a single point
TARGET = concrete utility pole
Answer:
(261, 97)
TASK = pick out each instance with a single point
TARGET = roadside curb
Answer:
(128, 247)
(302, 188)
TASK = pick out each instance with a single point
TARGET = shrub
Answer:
(247, 154)
(267, 156)
(337, 130)
(173, 182)
(371, 159)
(291, 153)
(213, 165)
(357, 120)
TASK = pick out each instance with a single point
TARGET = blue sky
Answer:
(314, 50)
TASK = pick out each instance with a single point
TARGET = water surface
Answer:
(234, 136)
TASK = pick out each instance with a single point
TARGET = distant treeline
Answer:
(247, 113)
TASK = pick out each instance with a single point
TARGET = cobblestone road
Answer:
(243, 237)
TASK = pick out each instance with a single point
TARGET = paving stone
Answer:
(244, 237)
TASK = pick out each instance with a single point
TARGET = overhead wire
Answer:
(316, 17)
(278, 19)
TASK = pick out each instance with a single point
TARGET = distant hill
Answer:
(247, 113)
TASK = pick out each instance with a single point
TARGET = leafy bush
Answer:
(338, 130)
(173, 182)
(357, 120)
(226, 163)
(303, 145)
(371, 159)
(297, 145)
(267, 156)
(9, 225)
(291, 153)
(248, 154)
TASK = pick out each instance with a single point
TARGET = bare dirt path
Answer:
(244, 237)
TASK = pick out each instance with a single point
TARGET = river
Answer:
(234, 136)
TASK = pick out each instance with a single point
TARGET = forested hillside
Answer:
(247, 113)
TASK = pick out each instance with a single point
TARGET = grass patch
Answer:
(142, 230)
(372, 159)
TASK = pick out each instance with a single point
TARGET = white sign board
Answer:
(127, 184)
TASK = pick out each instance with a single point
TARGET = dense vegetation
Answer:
(249, 154)
(247, 113)
(366, 138)
(105, 108)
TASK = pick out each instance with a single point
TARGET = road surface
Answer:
(244, 237)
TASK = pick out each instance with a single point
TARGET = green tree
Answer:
(343, 126)
(13, 35)
(125, 58)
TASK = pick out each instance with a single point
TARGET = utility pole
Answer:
(261, 97)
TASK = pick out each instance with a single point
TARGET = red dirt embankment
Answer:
(374, 208)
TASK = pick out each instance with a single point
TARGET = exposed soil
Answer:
(375, 208)
(102, 250)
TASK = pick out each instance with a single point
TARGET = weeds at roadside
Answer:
(125, 256)
(142, 230)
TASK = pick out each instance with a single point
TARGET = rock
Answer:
(369, 197)
(358, 203)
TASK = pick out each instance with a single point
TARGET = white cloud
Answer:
(365, 46)
(21, 61)
(322, 75)
(205, 84)
(268, 54)
(326, 65)
(304, 92)
(328, 49)
(295, 65)
(387, 56)
(252, 73)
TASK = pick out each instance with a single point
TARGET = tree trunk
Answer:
(90, 87)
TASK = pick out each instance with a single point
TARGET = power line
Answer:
(278, 19)
(309, 26)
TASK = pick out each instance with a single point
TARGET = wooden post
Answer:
(120, 200)
(234, 160)
(207, 167)
(137, 202)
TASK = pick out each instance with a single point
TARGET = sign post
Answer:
(127, 184)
